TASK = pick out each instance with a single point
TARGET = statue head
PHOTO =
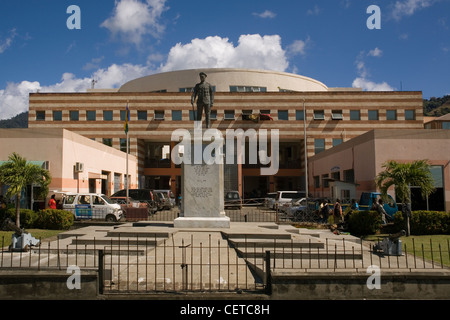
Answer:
(202, 76)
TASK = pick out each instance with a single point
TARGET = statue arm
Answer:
(194, 94)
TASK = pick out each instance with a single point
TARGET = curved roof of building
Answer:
(223, 79)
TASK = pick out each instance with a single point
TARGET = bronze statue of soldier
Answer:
(203, 91)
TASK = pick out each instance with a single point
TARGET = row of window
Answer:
(319, 144)
(91, 115)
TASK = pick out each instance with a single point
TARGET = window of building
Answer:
(229, 115)
(355, 115)
(74, 115)
(108, 142)
(157, 155)
(349, 175)
(391, 115)
(123, 145)
(40, 115)
(336, 175)
(123, 114)
(246, 114)
(159, 115)
(337, 141)
(326, 182)
(192, 115)
(176, 115)
(91, 115)
(142, 115)
(319, 145)
(373, 114)
(213, 115)
(299, 115)
(247, 89)
(319, 115)
(189, 89)
(107, 115)
(445, 124)
(283, 115)
(337, 115)
(57, 115)
(316, 182)
(410, 115)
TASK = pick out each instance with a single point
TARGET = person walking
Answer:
(52, 202)
(337, 212)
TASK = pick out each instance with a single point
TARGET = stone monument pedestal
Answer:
(202, 194)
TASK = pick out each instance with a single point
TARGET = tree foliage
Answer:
(404, 175)
(17, 174)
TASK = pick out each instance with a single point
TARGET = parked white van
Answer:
(92, 206)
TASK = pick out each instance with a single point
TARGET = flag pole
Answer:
(127, 176)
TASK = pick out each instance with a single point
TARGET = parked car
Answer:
(141, 195)
(232, 200)
(294, 207)
(287, 196)
(163, 201)
(269, 200)
(169, 194)
(92, 206)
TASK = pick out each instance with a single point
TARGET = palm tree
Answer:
(17, 174)
(403, 176)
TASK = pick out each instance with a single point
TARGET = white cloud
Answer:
(362, 80)
(313, 12)
(266, 14)
(370, 85)
(375, 53)
(252, 52)
(298, 47)
(5, 44)
(408, 7)
(133, 19)
(14, 98)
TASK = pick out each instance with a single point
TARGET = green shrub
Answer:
(364, 222)
(424, 222)
(54, 219)
(430, 222)
(27, 216)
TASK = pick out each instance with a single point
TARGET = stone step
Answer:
(269, 243)
(117, 241)
(137, 233)
(268, 235)
(304, 254)
(90, 250)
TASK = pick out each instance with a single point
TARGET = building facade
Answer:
(354, 165)
(159, 104)
(76, 163)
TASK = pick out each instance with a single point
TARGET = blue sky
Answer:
(327, 40)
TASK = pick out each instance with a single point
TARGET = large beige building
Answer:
(160, 104)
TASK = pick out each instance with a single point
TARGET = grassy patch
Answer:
(431, 247)
(5, 236)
